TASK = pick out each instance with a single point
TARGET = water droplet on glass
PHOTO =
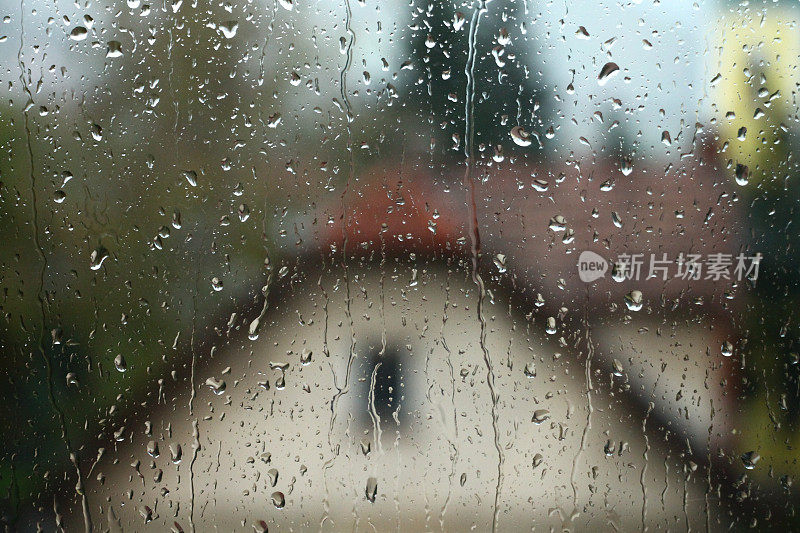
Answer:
(540, 415)
(500, 262)
(278, 500)
(175, 453)
(459, 19)
(633, 300)
(610, 448)
(229, 28)
(78, 33)
(114, 49)
(558, 223)
(619, 272)
(530, 369)
(371, 489)
(627, 166)
(97, 257)
(750, 459)
(274, 120)
(191, 177)
(520, 136)
(152, 449)
(742, 174)
(217, 386)
(742, 134)
(608, 71)
(727, 349)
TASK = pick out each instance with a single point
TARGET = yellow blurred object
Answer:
(752, 85)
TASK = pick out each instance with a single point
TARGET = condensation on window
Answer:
(363, 265)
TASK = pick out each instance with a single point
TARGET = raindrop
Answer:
(618, 272)
(540, 185)
(459, 19)
(530, 369)
(372, 489)
(608, 71)
(244, 212)
(498, 156)
(742, 174)
(558, 223)
(633, 300)
(191, 177)
(217, 386)
(229, 29)
(500, 262)
(520, 136)
(610, 448)
(278, 500)
(120, 363)
(175, 452)
(272, 474)
(99, 255)
(540, 415)
(78, 33)
(727, 349)
(742, 134)
(152, 449)
(750, 459)
(114, 49)
(627, 166)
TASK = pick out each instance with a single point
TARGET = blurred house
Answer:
(365, 402)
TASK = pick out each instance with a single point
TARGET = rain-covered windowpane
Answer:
(373, 265)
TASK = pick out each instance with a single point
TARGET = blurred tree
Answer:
(508, 82)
